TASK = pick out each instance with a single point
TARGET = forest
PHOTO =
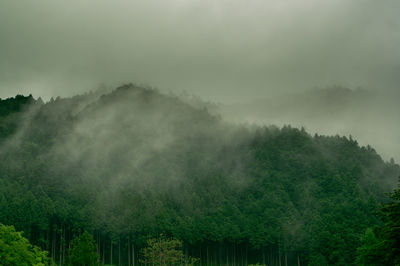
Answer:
(329, 110)
(134, 164)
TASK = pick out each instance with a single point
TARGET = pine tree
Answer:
(381, 246)
(391, 229)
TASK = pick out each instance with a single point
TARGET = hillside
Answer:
(135, 163)
(367, 115)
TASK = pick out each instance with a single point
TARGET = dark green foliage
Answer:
(381, 245)
(14, 105)
(134, 163)
(391, 228)
(83, 251)
(15, 250)
(371, 252)
(13, 111)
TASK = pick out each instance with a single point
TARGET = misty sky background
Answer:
(226, 51)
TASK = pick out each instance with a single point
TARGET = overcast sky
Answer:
(222, 50)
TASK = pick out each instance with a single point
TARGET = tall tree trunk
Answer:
(207, 254)
(241, 255)
(200, 256)
(119, 251)
(61, 245)
(263, 256)
(186, 256)
(215, 254)
(129, 254)
(227, 256)
(97, 243)
(104, 251)
(111, 257)
(234, 254)
(298, 260)
(272, 256)
(133, 254)
(220, 254)
(69, 247)
(285, 259)
(269, 257)
(53, 245)
(64, 242)
(98, 247)
(245, 257)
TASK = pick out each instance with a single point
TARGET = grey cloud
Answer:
(220, 50)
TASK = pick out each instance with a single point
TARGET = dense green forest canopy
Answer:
(132, 164)
(381, 243)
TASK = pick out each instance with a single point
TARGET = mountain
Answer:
(135, 163)
(367, 115)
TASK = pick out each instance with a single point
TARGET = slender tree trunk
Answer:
(119, 252)
(61, 246)
(129, 255)
(160, 256)
(234, 254)
(133, 254)
(227, 256)
(200, 256)
(298, 260)
(53, 245)
(273, 252)
(270, 261)
(286, 259)
(207, 254)
(246, 256)
(41, 237)
(215, 254)
(64, 242)
(186, 256)
(241, 255)
(104, 243)
(46, 240)
(99, 247)
(220, 254)
(97, 243)
(263, 256)
(111, 257)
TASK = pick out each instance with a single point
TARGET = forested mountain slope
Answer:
(368, 115)
(135, 163)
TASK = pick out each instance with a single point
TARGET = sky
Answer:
(221, 50)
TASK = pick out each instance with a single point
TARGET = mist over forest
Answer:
(199, 133)
(367, 115)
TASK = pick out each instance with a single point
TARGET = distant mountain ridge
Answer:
(369, 116)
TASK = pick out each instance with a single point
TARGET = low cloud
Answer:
(224, 51)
